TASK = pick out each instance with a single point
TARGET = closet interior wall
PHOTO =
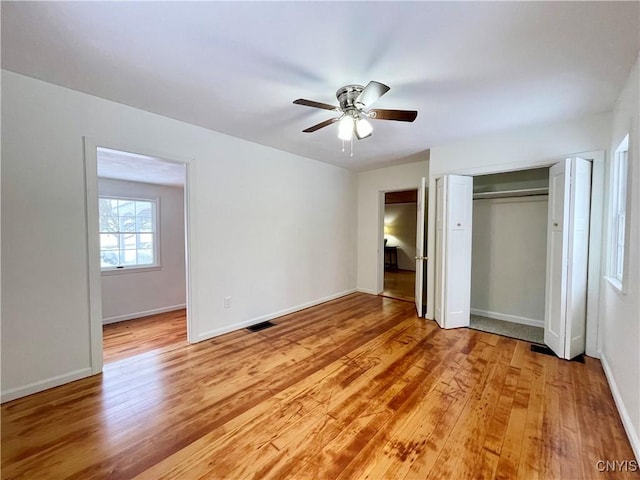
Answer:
(509, 246)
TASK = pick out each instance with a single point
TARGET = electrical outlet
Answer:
(227, 302)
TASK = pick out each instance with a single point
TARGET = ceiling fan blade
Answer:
(372, 92)
(321, 125)
(311, 103)
(399, 115)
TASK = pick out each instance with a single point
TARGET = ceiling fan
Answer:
(354, 101)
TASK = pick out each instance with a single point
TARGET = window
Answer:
(618, 195)
(127, 233)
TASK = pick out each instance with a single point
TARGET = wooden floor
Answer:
(163, 331)
(357, 388)
(400, 284)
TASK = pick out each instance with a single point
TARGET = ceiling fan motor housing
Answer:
(347, 98)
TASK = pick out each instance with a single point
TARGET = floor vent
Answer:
(260, 326)
(547, 351)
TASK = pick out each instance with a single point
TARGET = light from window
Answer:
(127, 233)
(618, 210)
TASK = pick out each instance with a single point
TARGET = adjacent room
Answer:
(141, 217)
(320, 240)
(400, 219)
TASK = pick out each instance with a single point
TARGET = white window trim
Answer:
(157, 264)
(619, 282)
(136, 269)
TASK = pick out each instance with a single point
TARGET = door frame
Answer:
(597, 157)
(93, 239)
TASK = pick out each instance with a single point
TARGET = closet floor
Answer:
(507, 329)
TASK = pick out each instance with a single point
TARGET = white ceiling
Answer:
(235, 67)
(139, 168)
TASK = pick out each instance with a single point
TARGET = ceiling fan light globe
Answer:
(345, 128)
(363, 128)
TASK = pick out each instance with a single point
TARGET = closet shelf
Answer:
(523, 192)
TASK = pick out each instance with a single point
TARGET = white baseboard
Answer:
(145, 313)
(263, 318)
(41, 385)
(509, 318)
(632, 434)
(366, 290)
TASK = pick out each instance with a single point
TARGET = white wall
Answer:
(370, 215)
(138, 293)
(508, 258)
(621, 312)
(400, 219)
(535, 146)
(274, 231)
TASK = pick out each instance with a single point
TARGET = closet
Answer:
(508, 253)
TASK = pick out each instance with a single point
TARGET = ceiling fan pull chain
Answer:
(351, 141)
(343, 145)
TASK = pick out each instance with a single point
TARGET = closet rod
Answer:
(523, 192)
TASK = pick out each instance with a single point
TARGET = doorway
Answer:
(400, 213)
(135, 259)
(141, 213)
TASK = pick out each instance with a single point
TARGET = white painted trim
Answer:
(270, 316)
(431, 247)
(532, 322)
(190, 233)
(145, 313)
(94, 271)
(616, 284)
(633, 436)
(593, 339)
(367, 291)
(41, 385)
(380, 260)
(611, 220)
(124, 270)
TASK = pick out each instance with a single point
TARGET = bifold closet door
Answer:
(567, 257)
(454, 205)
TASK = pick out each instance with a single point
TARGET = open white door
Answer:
(454, 206)
(420, 250)
(567, 257)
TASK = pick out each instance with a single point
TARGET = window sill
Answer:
(120, 271)
(617, 285)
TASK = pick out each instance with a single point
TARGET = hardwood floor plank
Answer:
(531, 453)
(415, 418)
(466, 438)
(155, 332)
(357, 388)
(399, 284)
(514, 434)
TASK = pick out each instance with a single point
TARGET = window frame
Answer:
(156, 265)
(617, 268)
